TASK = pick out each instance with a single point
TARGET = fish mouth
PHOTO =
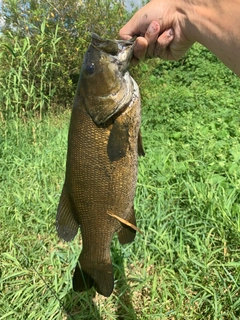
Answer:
(121, 50)
(120, 94)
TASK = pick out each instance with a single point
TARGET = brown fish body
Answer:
(101, 170)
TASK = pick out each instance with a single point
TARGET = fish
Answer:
(104, 142)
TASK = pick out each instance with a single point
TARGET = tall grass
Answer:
(26, 83)
(42, 47)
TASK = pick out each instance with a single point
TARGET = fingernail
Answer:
(170, 32)
(153, 27)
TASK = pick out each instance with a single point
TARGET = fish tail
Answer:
(99, 276)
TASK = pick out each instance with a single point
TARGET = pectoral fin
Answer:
(67, 226)
(118, 141)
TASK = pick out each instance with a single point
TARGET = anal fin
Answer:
(127, 234)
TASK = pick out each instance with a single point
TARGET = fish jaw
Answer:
(104, 81)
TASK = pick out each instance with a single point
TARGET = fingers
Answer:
(140, 48)
(145, 46)
(137, 25)
(162, 46)
(150, 44)
(131, 29)
(158, 45)
(153, 45)
(151, 37)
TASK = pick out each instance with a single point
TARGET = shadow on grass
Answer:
(119, 305)
(81, 306)
(124, 309)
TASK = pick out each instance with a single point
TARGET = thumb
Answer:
(134, 27)
(128, 31)
(138, 24)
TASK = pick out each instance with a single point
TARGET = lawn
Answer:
(186, 265)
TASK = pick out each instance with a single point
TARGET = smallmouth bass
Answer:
(101, 171)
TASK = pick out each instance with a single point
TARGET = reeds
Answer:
(26, 80)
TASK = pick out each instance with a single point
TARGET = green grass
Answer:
(187, 263)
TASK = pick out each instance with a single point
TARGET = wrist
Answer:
(201, 22)
(215, 24)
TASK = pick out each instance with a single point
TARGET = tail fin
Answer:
(99, 276)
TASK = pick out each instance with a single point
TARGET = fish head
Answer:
(105, 83)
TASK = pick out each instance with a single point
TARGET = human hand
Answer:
(159, 26)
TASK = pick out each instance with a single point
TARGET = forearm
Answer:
(216, 25)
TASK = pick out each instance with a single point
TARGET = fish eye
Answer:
(90, 68)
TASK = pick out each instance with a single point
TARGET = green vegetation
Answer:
(187, 263)
(42, 47)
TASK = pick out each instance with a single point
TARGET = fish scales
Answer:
(101, 169)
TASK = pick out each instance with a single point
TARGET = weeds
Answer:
(24, 90)
(42, 47)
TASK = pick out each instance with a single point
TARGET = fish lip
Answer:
(104, 45)
(125, 55)
(120, 50)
